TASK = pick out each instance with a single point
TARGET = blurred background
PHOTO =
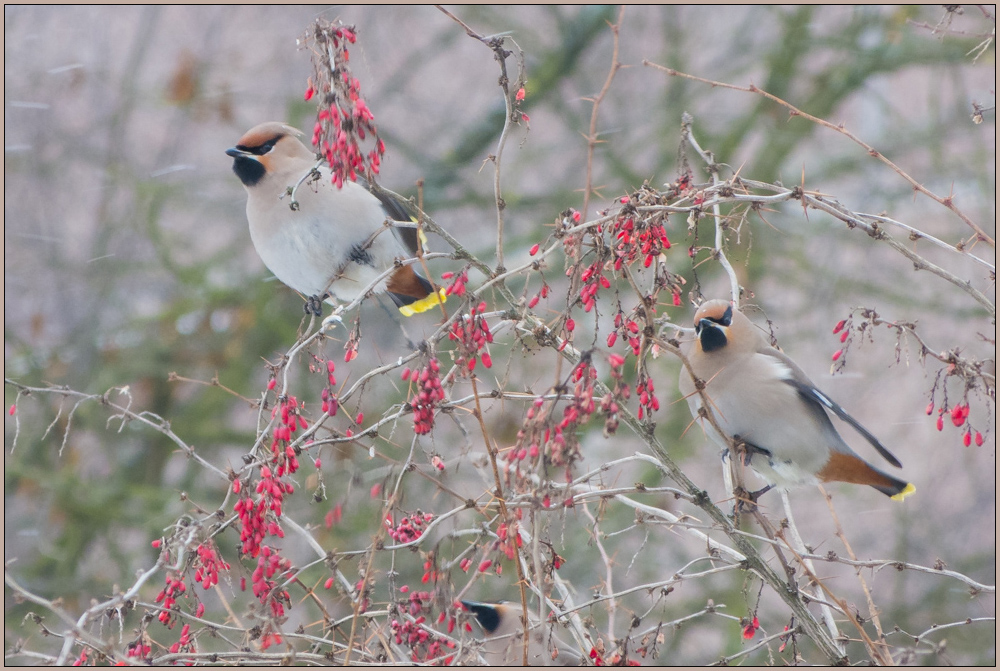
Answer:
(127, 254)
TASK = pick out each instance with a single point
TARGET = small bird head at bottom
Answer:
(503, 630)
(488, 615)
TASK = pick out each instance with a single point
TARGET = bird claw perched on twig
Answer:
(746, 502)
(314, 306)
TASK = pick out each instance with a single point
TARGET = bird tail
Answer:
(423, 304)
(851, 468)
(902, 494)
(412, 293)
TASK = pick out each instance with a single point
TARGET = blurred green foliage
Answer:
(118, 275)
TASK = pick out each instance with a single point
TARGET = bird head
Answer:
(712, 324)
(488, 615)
(268, 149)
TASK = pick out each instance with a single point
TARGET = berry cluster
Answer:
(208, 563)
(168, 596)
(184, 643)
(504, 543)
(430, 571)
(542, 293)
(452, 621)
(558, 441)
(329, 403)
(616, 659)
(472, 334)
(459, 280)
(648, 402)
(283, 454)
(269, 563)
(424, 645)
(140, 647)
(430, 394)
(565, 446)
(957, 367)
(259, 519)
(629, 330)
(750, 627)
(269, 639)
(959, 414)
(344, 120)
(409, 528)
(593, 280)
(635, 237)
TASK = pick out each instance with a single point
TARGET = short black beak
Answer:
(235, 153)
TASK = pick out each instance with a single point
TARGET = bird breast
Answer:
(327, 244)
(750, 399)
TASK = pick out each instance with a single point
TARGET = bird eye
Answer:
(260, 149)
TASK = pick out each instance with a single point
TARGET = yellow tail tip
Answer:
(909, 489)
(424, 304)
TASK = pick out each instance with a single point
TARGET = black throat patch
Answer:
(250, 171)
(486, 615)
(712, 337)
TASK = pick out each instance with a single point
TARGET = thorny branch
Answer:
(947, 201)
(727, 548)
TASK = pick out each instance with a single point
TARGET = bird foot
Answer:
(748, 450)
(314, 306)
(746, 502)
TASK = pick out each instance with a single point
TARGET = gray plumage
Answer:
(335, 243)
(760, 395)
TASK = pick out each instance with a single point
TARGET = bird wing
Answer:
(396, 211)
(820, 402)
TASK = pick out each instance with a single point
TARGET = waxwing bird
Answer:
(335, 244)
(503, 638)
(761, 397)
